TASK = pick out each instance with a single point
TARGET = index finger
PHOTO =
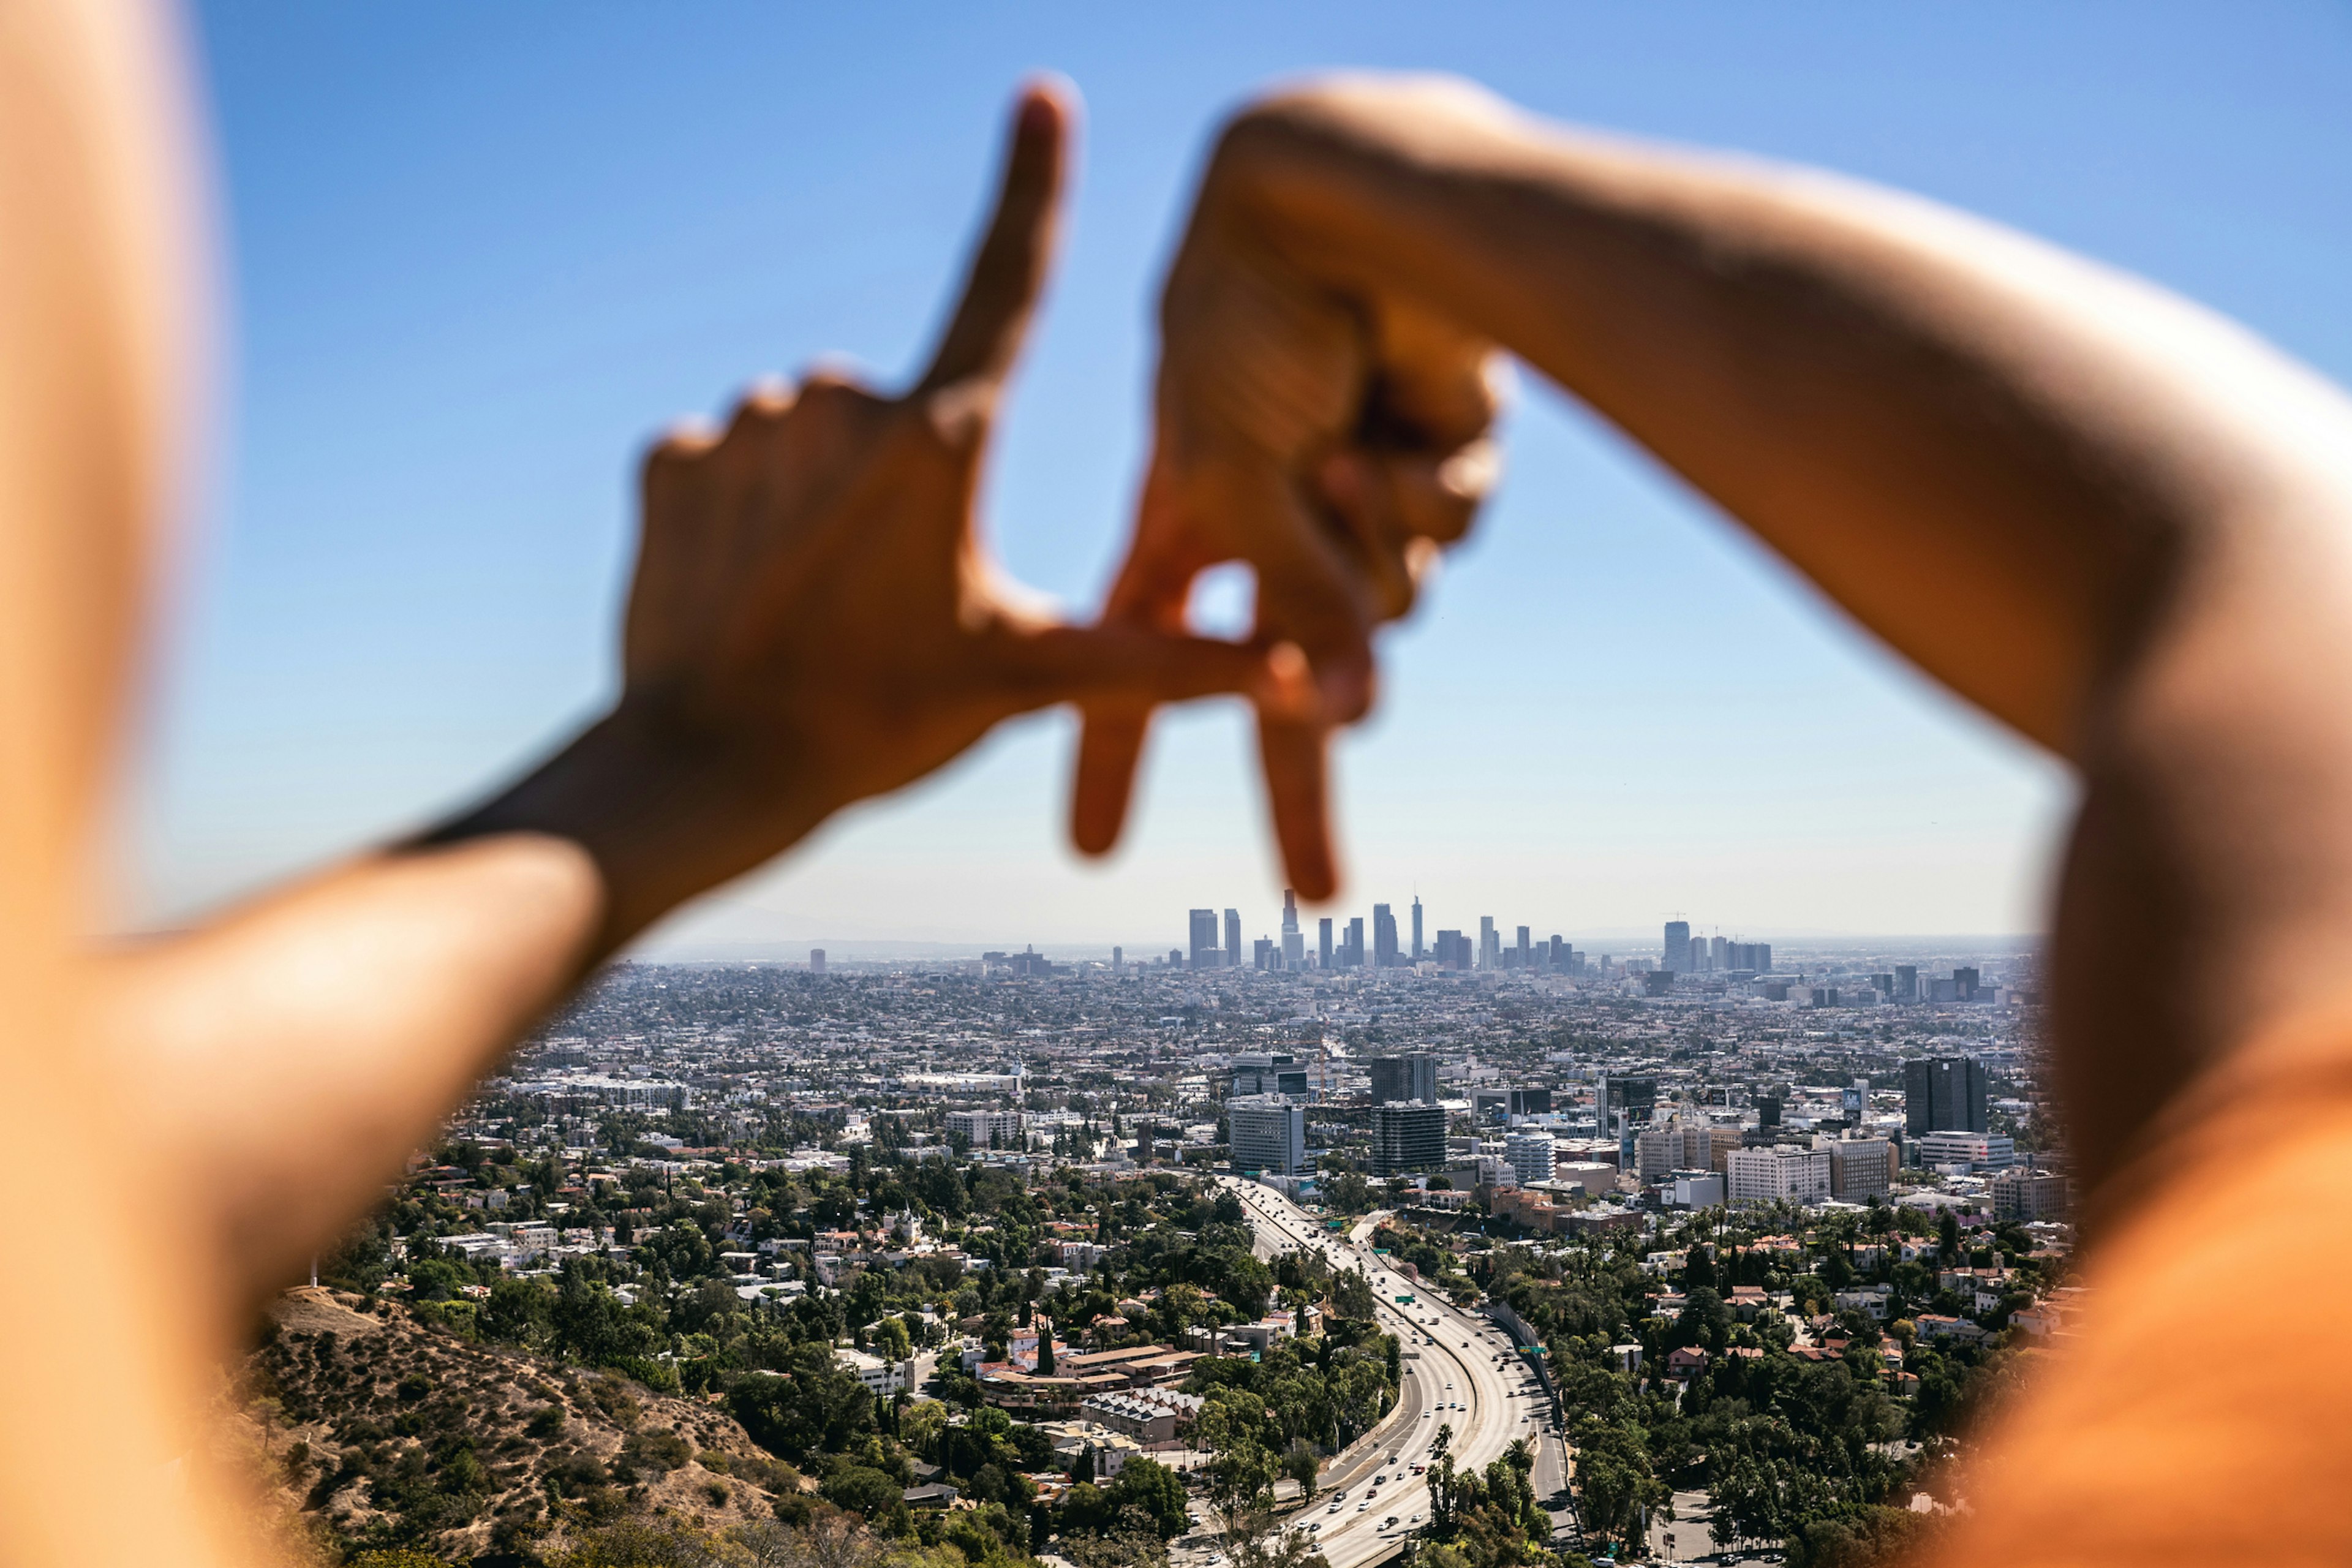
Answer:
(1008, 268)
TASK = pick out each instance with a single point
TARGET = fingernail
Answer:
(1284, 687)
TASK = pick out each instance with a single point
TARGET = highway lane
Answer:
(1453, 1358)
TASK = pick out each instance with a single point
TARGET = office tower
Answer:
(1421, 1081)
(1964, 982)
(1526, 952)
(1452, 950)
(1943, 1094)
(1268, 1072)
(1407, 1138)
(1677, 959)
(816, 961)
(1718, 953)
(1263, 954)
(1355, 959)
(1767, 1110)
(1556, 954)
(1323, 941)
(1633, 1099)
(1907, 983)
(1657, 1151)
(1385, 937)
(1409, 1077)
(1118, 959)
(1205, 934)
(2021, 1193)
(1234, 937)
(1294, 942)
(1860, 1168)
(1530, 1156)
(1265, 1133)
(1530, 1102)
(1416, 928)
(1490, 944)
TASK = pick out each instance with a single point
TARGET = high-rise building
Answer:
(1265, 1072)
(1234, 937)
(1530, 1156)
(1718, 953)
(1784, 1171)
(1754, 957)
(1293, 942)
(1529, 1102)
(1205, 935)
(1323, 939)
(1264, 953)
(1860, 1168)
(1355, 959)
(1385, 937)
(1411, 1075)
(1118, 960)
(1971, 1152)
(1452, 950)
(1633, 1099)
(986, 1129)
(816, 961)
(1944, 1094)
(1526, 948)
(2021, 1193)
(1266, 1134)
(1907, 983)
(1407, 1138)
(1490, 943)
(1417, 954)
(1677, 960)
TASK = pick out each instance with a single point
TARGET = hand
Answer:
(814, 622)
(1317, 423)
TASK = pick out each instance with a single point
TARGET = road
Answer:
(1452, 1357)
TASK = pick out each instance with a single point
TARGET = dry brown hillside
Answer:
(382, 1430)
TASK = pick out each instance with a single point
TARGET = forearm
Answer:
(300, 1046)
(374, 996)
(1995, 455)
(2113, 520)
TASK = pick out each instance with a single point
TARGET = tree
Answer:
(1158, 1491)
(1301, 1465)
(1351, 1296)
(1044, 1347)
(1240, 1478)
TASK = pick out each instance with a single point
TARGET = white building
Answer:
(1977, 1150)
(1696, 1189)
(987, 1129)
(1784, 1171)
(878, 1375)
(1530, 1155)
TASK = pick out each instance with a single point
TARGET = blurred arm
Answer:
(2109, 518)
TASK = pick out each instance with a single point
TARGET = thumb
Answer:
(1119, 664)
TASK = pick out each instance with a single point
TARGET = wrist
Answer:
(665, 812)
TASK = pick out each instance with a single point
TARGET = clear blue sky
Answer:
(479, 253)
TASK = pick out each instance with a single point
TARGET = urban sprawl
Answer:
(1470, 1248)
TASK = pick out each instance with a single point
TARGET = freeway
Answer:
(1460, 1370)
